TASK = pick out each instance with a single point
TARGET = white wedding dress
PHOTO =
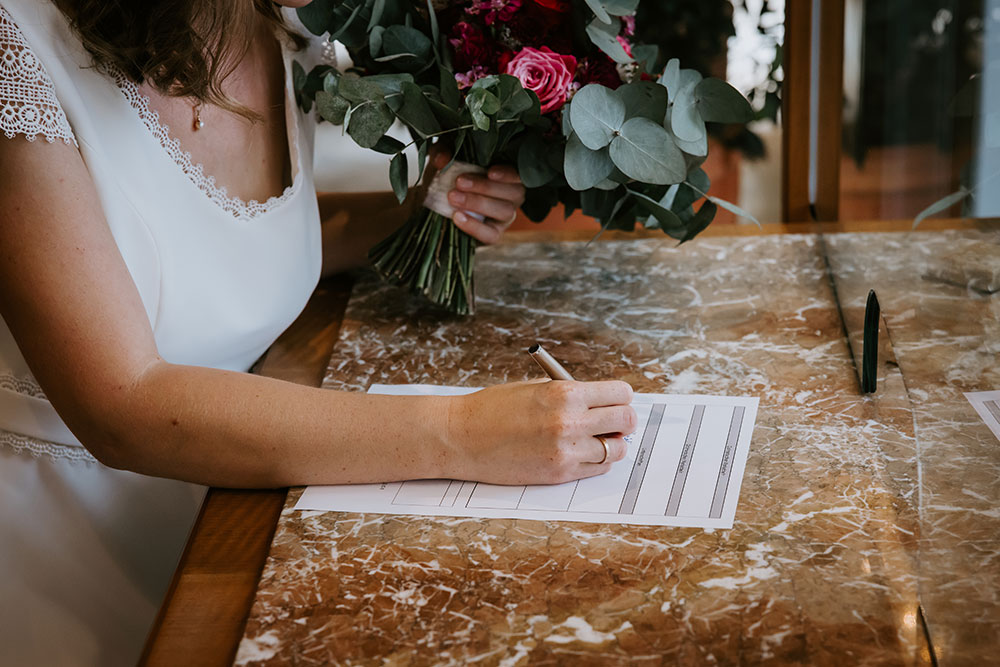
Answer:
(86, 552)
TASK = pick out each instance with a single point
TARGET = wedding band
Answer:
(606, 451)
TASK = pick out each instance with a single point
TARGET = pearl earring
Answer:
(198, 122)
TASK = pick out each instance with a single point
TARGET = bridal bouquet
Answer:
(556, 87)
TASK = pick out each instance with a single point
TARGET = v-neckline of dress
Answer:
(235, 206)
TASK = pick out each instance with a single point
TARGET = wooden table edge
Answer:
(199, 626)
(202, 617)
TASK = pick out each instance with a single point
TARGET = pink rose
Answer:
(547, 73)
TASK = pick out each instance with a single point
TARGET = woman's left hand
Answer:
(496, 196)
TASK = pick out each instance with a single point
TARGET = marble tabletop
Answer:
(857, 513)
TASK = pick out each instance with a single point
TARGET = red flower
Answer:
(599, 69)
(504, 60)
(495, 10)
(537, 25)
(561, 6)
(472, 47)
(626, 46)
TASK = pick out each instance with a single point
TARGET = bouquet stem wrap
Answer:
(430, 255)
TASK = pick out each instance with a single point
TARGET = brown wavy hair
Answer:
(182, 48)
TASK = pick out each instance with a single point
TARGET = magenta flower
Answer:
(472, 48)
(495, 10)
(547, 73)
(629, 23)
(466, 79)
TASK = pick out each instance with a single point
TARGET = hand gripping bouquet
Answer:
(554, 86)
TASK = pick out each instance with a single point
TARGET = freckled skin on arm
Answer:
(75, 313)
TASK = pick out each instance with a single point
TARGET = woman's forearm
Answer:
(233, 429)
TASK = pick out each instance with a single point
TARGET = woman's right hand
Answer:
(539, 432)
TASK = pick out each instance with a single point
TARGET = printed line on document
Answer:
(642, 459)
(684, 464)
(726, 467)
(994, 409)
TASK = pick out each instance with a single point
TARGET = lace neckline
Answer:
(195, 171)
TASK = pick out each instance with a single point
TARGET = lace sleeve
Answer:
(28, 104)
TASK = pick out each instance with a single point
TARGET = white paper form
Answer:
(987, 404)
(684, 467)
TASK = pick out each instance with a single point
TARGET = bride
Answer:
(159, 228)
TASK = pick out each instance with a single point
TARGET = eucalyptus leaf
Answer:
(665, 218)
(646, 55)
(388, 145)
(331, 82)
(598, 8)
(645, 152)
(585, 168)
(698, 148)
(422, 151)
(316, 15)
(332, 108)
(671, 78)
(941, 205)
(432, 17)
(298, 75)
(605, 37)
(702, 219)
(698, 180)
(412, 49)
(375, 41)
(357, 90)
(514, 99)
(734, 209)
(450, 93)
(620, 7)
(598, 203)
(485, 144)
(390, 83)
(446, 115)
(532, 163)
(348, 31)
(416, 112)
(486, 82)
(688, 77)
(399, 176)
(644, 99)
(369, 122)
(718, 102)
(378, 8)
(597, 115)
(482, 104)
(685, 121)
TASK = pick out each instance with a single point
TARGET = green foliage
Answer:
(332, 108)
(644, 151)
(585, 168)
(942, 205)
(605, 37)
(406, 48)
(597, 115)
(718, 102)
(622, 156)
(399, 175)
